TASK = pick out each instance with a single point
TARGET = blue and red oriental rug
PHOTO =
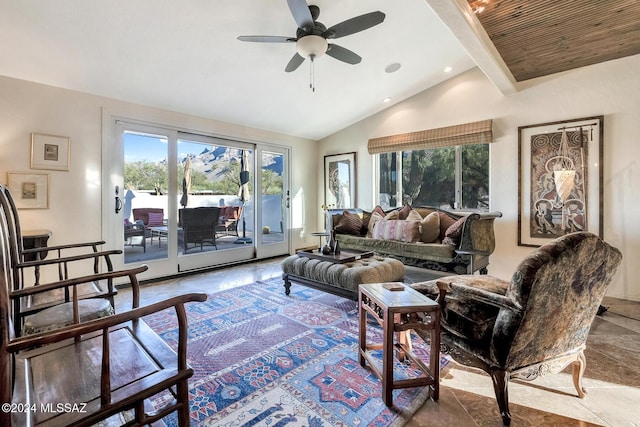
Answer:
(263, 358)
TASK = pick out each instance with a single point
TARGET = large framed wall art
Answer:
(340, 181)
(560, 179)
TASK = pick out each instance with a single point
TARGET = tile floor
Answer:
(466, 395)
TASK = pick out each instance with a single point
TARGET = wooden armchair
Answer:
(76, 259)
(535, 324)
(199, 226)
(60, 256)
(84, 373)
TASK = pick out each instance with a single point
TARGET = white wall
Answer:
(611, 89)
(76, 196)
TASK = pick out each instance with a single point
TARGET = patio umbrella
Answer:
(128, 198)
(186, 182)
(243, 193)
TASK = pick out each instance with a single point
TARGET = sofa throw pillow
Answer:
(378, 209)
(366, 217)
(445, 222)
(413, 216)
(403, 231)
(349, 223)
(404, 212)
(155, 219)
(393, 215)
(430, 228)
(375, 218)
(454, 232)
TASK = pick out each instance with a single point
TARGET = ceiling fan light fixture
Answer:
(311, 45)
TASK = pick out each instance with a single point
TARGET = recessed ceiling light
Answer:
(448, 69)
(392, 68)
(387, 99)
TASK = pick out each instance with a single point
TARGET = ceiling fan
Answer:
(311, 36)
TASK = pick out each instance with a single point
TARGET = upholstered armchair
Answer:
(537, 323)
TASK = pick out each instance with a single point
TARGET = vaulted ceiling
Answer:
(184, 55)
(542, 37)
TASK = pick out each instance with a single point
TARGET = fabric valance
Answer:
(468, 133)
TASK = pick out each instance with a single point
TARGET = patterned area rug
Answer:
(262, 358)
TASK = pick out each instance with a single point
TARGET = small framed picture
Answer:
(29, 190)
(51, 152)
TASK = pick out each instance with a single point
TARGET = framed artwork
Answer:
(340, 180)
(29, 190)
(50, 152)
(559, 179)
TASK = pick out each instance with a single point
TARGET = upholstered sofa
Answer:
(436, 239)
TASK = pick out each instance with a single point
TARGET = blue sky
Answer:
(151, 148)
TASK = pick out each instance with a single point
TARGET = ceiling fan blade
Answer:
(267, 39)
(301, 13)
(294, 63)
(354, 25)
(342, 54)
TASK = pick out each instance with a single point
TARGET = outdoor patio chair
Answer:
(199, 226)
(135, 234)
(228, 221)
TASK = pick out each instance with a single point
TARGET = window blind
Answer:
(480, 132)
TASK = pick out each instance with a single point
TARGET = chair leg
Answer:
(500, 380)
(183, 398)
(577, 368)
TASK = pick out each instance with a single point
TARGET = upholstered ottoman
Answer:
(340, 279)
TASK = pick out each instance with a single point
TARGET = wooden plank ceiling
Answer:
(542, 37)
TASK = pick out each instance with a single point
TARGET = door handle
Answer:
(118, 200)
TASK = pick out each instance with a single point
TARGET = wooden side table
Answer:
(32, 239)
(320, 235)
(398, 312)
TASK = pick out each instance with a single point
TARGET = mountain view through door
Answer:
(208, 182)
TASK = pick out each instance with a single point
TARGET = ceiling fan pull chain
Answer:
(312, 74)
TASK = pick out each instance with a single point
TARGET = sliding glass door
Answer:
(213, 213)
(274, 196)
(180, 201)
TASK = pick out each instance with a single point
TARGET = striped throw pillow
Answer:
(155, 219)
(403, 231)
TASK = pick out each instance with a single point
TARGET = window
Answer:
(455, 177)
